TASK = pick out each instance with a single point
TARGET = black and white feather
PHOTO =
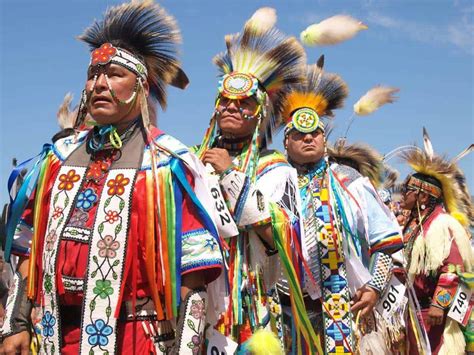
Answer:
(146, 30)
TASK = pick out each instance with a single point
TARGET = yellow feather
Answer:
(449, 195)
(374, 99)
(264, 342)
(332, 30)
(296, 100)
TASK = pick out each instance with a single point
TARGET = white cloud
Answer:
(459, 34)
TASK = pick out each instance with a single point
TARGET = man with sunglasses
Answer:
(251, 182)
(349, 234)
(437, 249)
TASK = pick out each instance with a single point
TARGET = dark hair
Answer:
(430, 179)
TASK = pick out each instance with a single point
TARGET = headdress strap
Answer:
(424, 186)
(107, 53)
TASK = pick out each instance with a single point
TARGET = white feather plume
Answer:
(332, 30)
(263, 19)
(427, 144)
(66, 117)
(374, 99)
(465, 152)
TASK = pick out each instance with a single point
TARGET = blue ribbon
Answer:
(18, 204)
(178, 201)
(339, 205)
(103, 130)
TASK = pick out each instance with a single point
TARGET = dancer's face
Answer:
(409, 198)
(231, 119)
(103, 108)
(305, 148)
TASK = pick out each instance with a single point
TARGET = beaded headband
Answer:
(424, 186)
(107, 53)
(237, 86)
(304, 120)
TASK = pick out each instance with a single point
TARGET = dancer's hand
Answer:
(364, 301)
(219, 159)
(435, 316)
(17, 344)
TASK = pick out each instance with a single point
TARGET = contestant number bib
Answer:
(461, 305)
(218, 344)
(224, 221)
(393, 298)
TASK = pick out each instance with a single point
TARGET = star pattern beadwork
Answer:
(305, 120)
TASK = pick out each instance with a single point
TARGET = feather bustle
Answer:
(366, 160)
(321, 91)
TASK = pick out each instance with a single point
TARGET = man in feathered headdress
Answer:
(257, 185)
(437, 247)
(348, 233)
(116, 243)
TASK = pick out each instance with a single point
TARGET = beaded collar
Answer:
(232, 144)
(313, 169)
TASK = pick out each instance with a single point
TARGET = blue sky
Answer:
(426, 48)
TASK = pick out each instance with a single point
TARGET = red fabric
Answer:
(425, 286)
(73, 256)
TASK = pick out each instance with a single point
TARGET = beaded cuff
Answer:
(380, 268)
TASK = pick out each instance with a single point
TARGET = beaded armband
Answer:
(380, 269)
(445, 290)
(246, 203)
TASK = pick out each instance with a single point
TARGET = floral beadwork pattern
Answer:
(103, 54)
(112, 216)
(107, 247)
(117, 185)
(47, 322)
(197, 309)
(103, 289)
(106, 261)
(58, 211)
(98, 333)
(195, 344)
(48, 283)
(198, 312)
(50, 239)
(97, 170)
(64, 192)
(86, 199)
(68, 180)
(78, 219)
